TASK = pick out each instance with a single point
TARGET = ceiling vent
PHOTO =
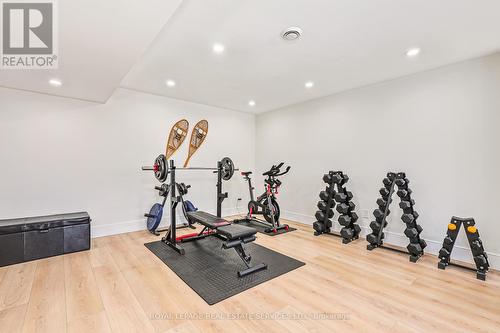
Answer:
(292, 33)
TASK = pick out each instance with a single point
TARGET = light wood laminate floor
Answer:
(120, 286)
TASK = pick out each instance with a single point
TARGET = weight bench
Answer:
(233, 235)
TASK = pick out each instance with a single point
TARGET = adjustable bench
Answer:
(233, 235)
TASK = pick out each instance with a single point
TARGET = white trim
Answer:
(297, 217)
(460, 253)
(116, 228)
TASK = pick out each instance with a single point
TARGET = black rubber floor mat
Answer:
(262, 228)
(212, 272)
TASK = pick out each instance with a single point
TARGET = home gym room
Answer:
(249, 166)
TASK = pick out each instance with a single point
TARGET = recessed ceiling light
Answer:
(291, 33)
(251, 102)
(170, 83)
(413, 52)
(55, 82)
(309, 84)
(218, 48)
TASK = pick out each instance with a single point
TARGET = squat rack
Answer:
(162, 168)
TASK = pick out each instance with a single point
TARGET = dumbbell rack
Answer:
(345, 207)
(409, 217)
(475, 243)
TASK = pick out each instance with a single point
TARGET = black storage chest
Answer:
(39, 237)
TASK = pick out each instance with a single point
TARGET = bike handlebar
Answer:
(284, 172)
(275, 170)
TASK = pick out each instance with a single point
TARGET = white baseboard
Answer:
(138, 225)
(117, 228)
(460, 253)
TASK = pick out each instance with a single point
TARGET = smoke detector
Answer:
(292, 33)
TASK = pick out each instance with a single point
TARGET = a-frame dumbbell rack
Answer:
(475, 243)
(409, 217)
(336, 192)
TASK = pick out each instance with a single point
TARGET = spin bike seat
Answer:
(246, 173)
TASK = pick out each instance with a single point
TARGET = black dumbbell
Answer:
(345, 178)
(403, 193)
(330, 189)
(400, 182)
(319, 226)
(411, 232)
(422, 242)
(354, 217)
(344, 208)
(344, 220)
(378, 213)
(406, 204)
(415, 249)
(391, 176)
(337, 178)
(342, 197)
(357, 229)
(382, 203)
(347, 233)
(408, 218)
(372, 238)
(387, 182)
(384, 192)
(401, 175)
(325, 225)
(327, 178)
(322, 205)
(323, 195)
(375, 225)
(320, 215)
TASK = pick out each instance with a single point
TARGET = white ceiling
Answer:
(345, 44)
(99, 41)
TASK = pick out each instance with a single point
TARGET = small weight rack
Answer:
(475, 243)
(329, 197)
(409, 217)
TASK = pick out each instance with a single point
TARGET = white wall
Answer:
(61, 155)
(441, 127)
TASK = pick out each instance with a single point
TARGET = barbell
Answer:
(161, 169)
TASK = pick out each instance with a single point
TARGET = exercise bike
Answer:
(266, 204)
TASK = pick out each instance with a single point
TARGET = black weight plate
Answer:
(165, 189)
(227, 168)
(183, 189)
(161, 171)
